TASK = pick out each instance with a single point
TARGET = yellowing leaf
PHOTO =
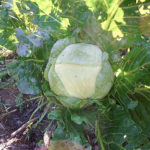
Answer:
(64, 145)
(144, 24)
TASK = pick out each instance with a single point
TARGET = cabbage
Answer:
(78, 73)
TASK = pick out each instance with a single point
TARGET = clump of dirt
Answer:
(8, 95)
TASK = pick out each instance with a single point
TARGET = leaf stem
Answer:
(112, 13)
(99, 136)
(33, 98)
(36, 60)
(106, 4)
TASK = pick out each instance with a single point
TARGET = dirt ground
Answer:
(12, 119)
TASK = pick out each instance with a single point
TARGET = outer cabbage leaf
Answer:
(57, 48)
(28, 82)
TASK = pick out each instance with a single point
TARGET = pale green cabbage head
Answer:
(78, 73)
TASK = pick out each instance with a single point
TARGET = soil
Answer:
(12, 119)
(8, 95)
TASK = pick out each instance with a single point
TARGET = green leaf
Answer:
(132, 104)
(9, 21)
(121, 131)
(27, 75)
(87, 116)
(32, 45)
(28, 86)
(3, 74)
(77, 119)
(69, 10)
(60, 134)
(67, 129)
(55, 115)
(141, 113)
(120, 24)
(50, 22)
(132, 72)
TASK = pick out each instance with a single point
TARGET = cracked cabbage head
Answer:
(78, 73)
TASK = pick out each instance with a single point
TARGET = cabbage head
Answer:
(78, 73)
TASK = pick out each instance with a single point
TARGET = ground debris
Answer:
(13, 144)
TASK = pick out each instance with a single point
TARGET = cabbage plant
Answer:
(78, 73)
